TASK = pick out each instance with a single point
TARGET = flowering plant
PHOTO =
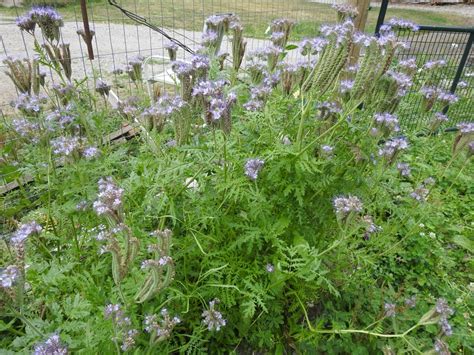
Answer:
(269, 206)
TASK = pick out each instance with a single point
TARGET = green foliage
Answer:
(293, 272)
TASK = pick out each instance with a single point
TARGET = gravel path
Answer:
(113, 45)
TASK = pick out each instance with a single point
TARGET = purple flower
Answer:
(404, 82)
(116, 314)
(420, 194)
(82, 206)
(171, 143)
(207, 88)
(200, 62)
(102, 87)
(24, 231)
(65, 145)
(443, 309)
(182, 68)
(48, 20)
(371, 227)
(411, 301)
(447, 98)
(162, 327)
(213, 319)
(440, 117)
(392, 147)
(254, 105)
(90, 153)
(260, 92)
(387, 122)
(26, 23)
(129, 339)
(30, 105)
(344, 205)
(342, 32)
(440, 347)
(63, 90)
(346, 10)
(432, 93)
(445, 327)
(327, 110)
(465, 128)
(271, 80)
(270, 268)
(408, 64)
(8, 276)
(346, 86)
(390, 310)
(279, 38)
(51, 346)
(253, 167)
(171, 46)
(327, 151)
(62, 116)
(404, 169)
(403, 24)
(217, 108)
(109, 198)
(209, 38)
(434, 64)
(25, 128)
(364, 40)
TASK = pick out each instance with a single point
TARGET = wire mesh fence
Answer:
(452, 45)
(118, 39)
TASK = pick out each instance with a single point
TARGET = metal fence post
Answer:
(462, 64)
(381, 18)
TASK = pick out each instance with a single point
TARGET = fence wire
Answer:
(450, 45)
(454, 45)
(118, 39)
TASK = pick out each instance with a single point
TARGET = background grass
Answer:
(255, 14)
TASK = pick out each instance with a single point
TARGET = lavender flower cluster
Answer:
(9, 275)
(404, 169)
(30, 105)
(401, 24)
(345, 205)
(109, 198)
(123, 323)
(24, 231)
(253, 167)
(65, 146)
(386, 123)
(46, 18)
(328, 110)
(102, 87)
(26, 129)
(341, 32)
(444, 311)
(431, 94)
(161, 328)
(403, 81)
(421, 193)
(392, 147)
(212, 318)
(345, 11)
(51, 346)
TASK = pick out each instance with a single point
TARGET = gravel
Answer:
(114, 45)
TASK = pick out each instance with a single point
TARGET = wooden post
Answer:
(362, 7)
